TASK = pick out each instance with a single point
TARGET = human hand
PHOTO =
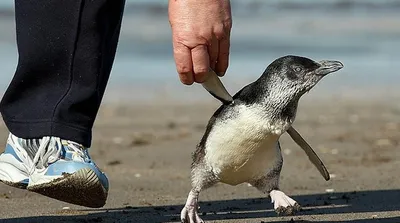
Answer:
(200, 37)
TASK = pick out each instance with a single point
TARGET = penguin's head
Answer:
(295, 75)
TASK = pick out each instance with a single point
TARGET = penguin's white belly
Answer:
(241, 149)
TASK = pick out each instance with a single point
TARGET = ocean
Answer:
(364, 35)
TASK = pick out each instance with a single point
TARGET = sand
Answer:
(146, 152)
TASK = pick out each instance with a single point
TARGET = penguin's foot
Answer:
(283, 204)
(189, 213)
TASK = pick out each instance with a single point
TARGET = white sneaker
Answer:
(53, 167)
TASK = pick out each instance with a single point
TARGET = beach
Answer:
(149, 123)
(146, 152)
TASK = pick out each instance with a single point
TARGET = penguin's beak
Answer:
(328, 66)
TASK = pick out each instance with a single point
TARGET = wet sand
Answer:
(146, 152)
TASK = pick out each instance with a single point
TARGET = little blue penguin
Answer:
(241, 140)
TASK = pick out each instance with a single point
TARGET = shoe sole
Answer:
(81, 188)
(12, 184)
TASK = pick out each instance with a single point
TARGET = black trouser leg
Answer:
(66, 51)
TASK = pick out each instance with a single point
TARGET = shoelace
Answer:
(81, 153)
(49, 151)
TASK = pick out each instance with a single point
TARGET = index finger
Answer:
(183, 63)
(201, 63)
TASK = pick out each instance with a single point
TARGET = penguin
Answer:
(216, 88)
(241, 140)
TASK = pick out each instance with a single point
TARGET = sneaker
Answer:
(56, 168)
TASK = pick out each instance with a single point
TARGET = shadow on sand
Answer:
(315, 204)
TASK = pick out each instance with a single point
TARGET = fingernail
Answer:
(186, 78)
(201, 78)
(187, 82)
(221, 74)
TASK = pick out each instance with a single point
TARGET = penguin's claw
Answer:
(189, 214)
(283, 204)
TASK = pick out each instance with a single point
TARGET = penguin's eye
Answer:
(297, 68)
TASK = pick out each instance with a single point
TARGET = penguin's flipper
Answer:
(310, 152)
(215, 87)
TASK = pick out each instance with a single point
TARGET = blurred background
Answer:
(154, 121)
(363, 34)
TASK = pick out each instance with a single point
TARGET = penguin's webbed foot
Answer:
(283, 204)
(189, 213)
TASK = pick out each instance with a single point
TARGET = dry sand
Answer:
(146, 152)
